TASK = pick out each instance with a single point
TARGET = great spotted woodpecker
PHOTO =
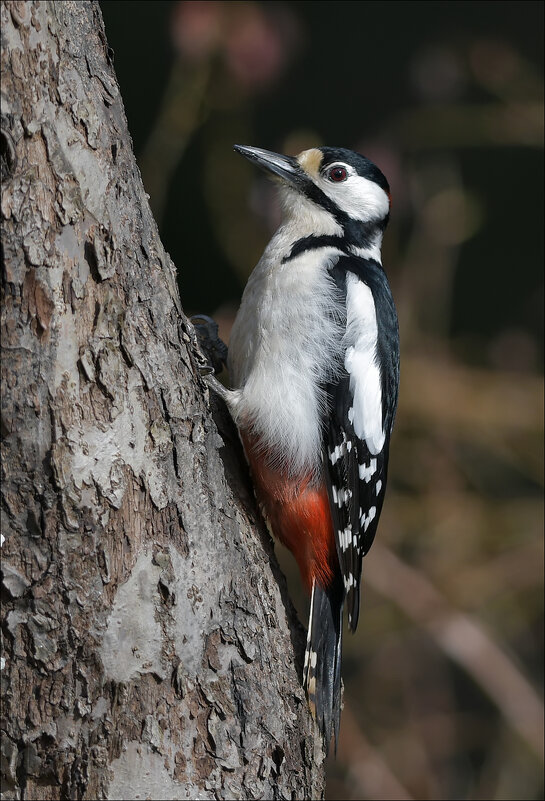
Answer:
(314, 368)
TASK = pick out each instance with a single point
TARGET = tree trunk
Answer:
(149, 649)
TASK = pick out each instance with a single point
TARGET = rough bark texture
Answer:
(148, 648)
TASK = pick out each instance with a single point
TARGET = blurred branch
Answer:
(476, 125)
(464, 641)
(518, 568)
(440, 392)
(181, 113)
(368, 773)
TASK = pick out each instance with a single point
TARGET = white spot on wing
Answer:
(337, 452)
(365, 520)
(342, 497)
(345, 537)
(366, 472)
(349, 581)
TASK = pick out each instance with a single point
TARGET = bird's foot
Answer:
(214, 353)
(212, 347)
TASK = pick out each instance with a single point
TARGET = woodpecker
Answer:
(314, 368)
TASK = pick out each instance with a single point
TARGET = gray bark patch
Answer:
(133, 641)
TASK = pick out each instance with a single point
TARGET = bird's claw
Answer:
(213, 349)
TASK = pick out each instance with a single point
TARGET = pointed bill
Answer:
(285, 167)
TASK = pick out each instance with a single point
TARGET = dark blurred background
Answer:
(443, 680)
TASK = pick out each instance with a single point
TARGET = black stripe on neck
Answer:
(313, 243)
(356, 235)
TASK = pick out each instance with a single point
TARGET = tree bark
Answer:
(149, 649)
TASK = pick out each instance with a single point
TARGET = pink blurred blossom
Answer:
(256, 43)
(197, 27)
(254, 50)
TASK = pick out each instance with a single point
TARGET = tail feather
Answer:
(322, 671)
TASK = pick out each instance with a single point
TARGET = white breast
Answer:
(286, 341)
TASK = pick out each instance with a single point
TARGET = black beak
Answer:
(285, 167)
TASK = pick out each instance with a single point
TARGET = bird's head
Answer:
(343, 186)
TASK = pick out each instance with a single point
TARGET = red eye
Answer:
(337, 174)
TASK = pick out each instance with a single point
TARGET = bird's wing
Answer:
(362, 401)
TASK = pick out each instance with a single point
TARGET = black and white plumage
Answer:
(314, 365)
(363, 404)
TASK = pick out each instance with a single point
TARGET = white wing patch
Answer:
(360, 362)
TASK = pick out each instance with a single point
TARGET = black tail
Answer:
(322, 671)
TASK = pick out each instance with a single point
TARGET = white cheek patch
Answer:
(358, 197)
(360, 362)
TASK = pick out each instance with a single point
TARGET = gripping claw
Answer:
(212, 347)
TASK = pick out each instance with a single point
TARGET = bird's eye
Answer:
(337, 174)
